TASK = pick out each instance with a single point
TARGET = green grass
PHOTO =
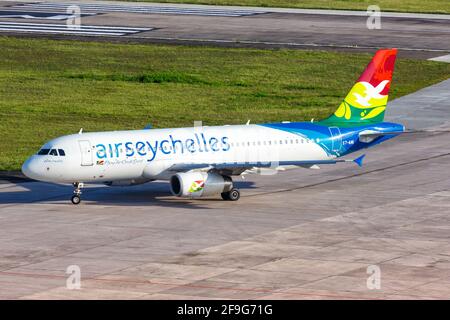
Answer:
(429, 6)
(51, 88)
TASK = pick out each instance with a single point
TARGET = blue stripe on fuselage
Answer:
(343, 140)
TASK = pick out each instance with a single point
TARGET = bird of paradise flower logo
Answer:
(366, 98)
(196, 186)
(366, 102)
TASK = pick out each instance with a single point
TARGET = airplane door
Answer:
(86, 153)
(336, 139)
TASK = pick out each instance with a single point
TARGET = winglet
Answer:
(359, 160)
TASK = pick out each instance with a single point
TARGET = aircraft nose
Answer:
(30, 169)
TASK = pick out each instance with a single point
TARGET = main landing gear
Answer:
(233, 194)
(76, 198)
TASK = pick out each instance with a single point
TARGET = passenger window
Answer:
(61, 152)
(53, 152)
(43, 152)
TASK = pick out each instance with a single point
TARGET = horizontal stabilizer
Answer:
(367, 136)
(359, 160)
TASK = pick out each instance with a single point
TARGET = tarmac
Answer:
(299, 234)
(416, 35)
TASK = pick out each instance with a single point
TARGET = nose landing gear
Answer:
(76, 198)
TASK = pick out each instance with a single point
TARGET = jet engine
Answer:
(199, 184)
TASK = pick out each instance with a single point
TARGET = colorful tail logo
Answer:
(367, 100)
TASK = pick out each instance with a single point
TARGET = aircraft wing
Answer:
(236, 166)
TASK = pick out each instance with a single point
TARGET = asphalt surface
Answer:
(300, 234)
(422, 36)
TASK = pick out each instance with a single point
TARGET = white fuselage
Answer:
(150, 154)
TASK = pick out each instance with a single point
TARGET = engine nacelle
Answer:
(129, 182)
(199, 184)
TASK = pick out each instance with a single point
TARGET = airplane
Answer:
(200, 161)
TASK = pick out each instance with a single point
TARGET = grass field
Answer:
(430, 6)
(51, 88)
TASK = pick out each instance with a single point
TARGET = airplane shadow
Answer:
(154, 193)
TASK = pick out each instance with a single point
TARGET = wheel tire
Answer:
(234, 195)
(225, 196)
(75, 199)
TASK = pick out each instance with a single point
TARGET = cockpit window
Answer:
(52, 152)
(43, 152)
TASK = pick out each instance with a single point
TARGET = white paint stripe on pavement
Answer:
(103, 6)
(67, 31)
(138, 7)
(90, 7)
(270, 10)
(84, 26)
(445, 58)
(64, 29)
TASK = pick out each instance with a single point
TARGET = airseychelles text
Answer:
(198, 143)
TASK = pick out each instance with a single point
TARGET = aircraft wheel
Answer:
(75, 199)
(225, 195)
(234, 194)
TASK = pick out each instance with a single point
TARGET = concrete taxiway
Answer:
(300, 234)
(418, 35)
